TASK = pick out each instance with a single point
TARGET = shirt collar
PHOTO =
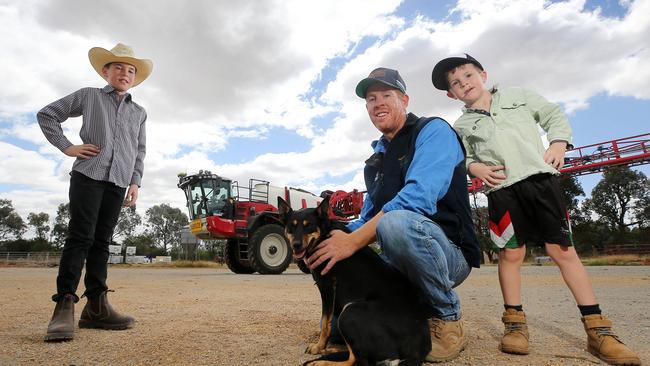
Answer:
(480, 111)
(108, 89)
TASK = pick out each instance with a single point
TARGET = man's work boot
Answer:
(448, 338)
(604, 344)
(515, 336)
(98, 313)
(61, 327)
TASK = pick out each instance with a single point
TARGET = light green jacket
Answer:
(510, 136)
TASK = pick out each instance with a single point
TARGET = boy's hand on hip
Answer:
(131, 195)
(488, 174)
(554, 155)
(85, 151)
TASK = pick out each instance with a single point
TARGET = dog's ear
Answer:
(284, 210)
(323, 208)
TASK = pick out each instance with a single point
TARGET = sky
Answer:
(265, 89)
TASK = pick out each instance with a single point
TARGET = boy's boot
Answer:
(515, 336)
(448, 339)
(61, 327)
(98, 313)
(604, 344)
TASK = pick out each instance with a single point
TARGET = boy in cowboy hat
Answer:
(108, 164)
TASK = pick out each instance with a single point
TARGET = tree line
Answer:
(618, 212)
(157, 234)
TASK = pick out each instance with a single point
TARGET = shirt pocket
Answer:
(519, 121)
(132, 125)
(480, 134)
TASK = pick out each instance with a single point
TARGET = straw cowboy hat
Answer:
(120, 53)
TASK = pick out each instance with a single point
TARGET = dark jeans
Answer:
(94, 209)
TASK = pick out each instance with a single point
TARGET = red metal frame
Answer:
(595, 158)
(345, 205)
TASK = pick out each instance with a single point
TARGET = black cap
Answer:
(439, 74)
(382, 75)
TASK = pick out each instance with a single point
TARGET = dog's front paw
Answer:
(335, 348)
(314, 349)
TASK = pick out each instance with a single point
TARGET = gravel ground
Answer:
(211, 316)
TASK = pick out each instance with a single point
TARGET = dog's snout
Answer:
(296, 245)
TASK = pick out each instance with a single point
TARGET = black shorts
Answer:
(529, 212)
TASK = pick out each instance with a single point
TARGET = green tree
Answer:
(482, 227)
(144, 245)
(644, 221)
(60, 228)
(40, 223)
(618, 199)
(11, 224)
(127, 222)
(643, 215)
(18, 245)
(164, 224)
(586, 235)
(571, 190)
(213, 250)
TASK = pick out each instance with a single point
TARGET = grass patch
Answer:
(617, 260)
(189, 264)
(172, 264)
(604, 260)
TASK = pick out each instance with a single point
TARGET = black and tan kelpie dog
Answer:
(380, 314)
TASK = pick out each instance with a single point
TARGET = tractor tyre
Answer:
(232, 259)
(303, 266)
(268, 250)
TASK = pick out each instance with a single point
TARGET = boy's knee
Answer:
(512, 255)
(561, 253)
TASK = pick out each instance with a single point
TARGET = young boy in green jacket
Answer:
(499, 128)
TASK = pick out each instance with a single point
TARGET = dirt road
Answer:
(214, 317)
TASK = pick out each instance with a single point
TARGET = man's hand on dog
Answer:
(333, 249)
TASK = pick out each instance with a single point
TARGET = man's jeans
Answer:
(94, 209)
(418, 248)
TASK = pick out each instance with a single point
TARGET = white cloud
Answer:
(225, 70)
(22, 169)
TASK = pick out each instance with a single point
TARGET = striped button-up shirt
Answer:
(116, 126)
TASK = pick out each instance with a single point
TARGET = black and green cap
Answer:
(439, 73)
(382, 75)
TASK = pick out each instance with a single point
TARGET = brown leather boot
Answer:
(61, 327)
(448, 339)
(604, 344)
(515, 336)
(98, 313)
